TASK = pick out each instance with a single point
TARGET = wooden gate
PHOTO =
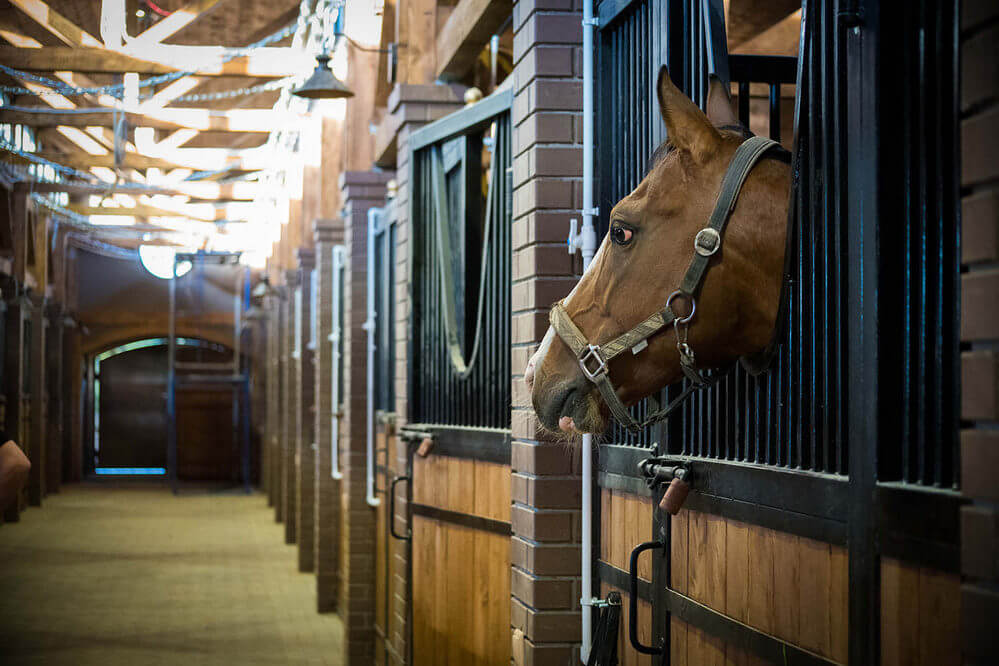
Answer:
(823, 523)
(459, 417)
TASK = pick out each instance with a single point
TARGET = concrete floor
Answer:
(134, 575)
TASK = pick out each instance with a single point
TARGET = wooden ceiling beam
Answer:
(139, 210)
(61, 27)
(200, 120)
(267, 62)
(466, 32)
(81, 189)
(175, 22)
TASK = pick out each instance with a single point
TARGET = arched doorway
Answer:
(129, 420)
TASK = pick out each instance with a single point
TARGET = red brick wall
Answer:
(328, 233)
(361, 191)
(980, 330)
(547, 193)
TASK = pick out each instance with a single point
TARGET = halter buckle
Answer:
(592, 356)
(707, 241)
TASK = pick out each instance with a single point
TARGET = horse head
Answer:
(644, 256)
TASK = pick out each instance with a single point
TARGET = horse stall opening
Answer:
(819, 527)
(457, 429)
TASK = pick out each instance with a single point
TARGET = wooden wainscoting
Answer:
(461, 574)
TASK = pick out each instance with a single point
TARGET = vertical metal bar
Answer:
(172, 381)
(775, 111)
(744, 94)
(863, 124)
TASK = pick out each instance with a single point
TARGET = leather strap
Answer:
(746, 157)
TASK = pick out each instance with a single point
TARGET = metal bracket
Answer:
(596, 602)
(663, 470)
(595, 22)
(593, 212)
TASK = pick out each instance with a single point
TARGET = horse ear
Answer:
(687, 128)
(720, 111)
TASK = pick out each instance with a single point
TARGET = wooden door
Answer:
(461, 561)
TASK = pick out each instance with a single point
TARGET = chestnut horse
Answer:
(644, 256)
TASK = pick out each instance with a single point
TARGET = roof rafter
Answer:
(65, 30)
(177, 21)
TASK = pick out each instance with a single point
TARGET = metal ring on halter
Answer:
(693, 307)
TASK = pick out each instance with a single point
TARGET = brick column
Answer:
(288, 401)
(547, 192)
(980, 328)
(361, 191)
(305, 442)
(328, 233)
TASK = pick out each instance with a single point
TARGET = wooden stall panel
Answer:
(461, 595)
(625, 522)
(461, 575)
(463, 485)
(784, 585)
(920, 616)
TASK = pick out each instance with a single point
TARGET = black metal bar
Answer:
(468, 520)
(391, 513)
(491, 445)
(464, 121)
(633, 598)
(808, 493)
(862, 49)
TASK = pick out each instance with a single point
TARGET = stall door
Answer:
(821, 526)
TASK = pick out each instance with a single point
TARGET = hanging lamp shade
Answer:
(323, 84)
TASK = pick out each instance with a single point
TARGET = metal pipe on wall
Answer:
(336, 341)
(369, 327)
(588, 244)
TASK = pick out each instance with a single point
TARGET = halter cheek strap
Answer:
(594, 359)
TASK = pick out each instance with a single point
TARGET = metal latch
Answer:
(675, 475)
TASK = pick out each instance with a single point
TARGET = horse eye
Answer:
(621, 235)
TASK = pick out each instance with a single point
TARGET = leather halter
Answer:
(594, 359)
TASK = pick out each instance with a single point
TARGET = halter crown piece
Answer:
(594, 359)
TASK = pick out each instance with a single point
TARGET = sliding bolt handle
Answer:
(675, 495)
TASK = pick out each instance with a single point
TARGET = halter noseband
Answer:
(594, 359)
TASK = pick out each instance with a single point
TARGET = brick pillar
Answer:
(288, 401)
(305, 442)
(328, 233)
(361, 191)
(980, 327)
(547, 193)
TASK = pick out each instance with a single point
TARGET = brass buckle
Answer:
(593, 355)
(707, 241)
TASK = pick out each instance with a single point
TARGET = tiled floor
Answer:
(134, 575)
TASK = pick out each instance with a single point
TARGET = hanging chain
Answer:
(117, 89)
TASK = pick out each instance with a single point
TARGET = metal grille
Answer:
(792, 416)
(439, 394)
(385, 314)
(336, 341)
(920, 254)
